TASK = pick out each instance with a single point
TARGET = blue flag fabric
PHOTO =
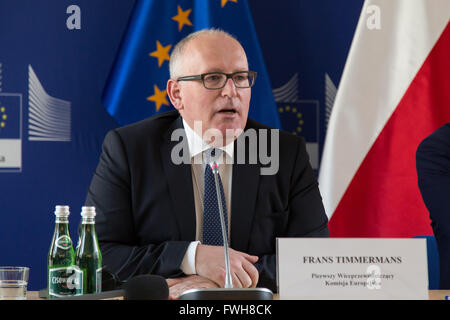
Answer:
(136, 88)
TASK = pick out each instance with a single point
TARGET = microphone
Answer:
(227, 293)
(228, 279)
(142, 287)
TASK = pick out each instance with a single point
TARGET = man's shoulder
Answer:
(442, 134)
(439, 141)
(149, 127)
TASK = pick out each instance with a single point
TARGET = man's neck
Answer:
(197, 144)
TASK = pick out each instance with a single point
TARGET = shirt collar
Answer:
(197, 145)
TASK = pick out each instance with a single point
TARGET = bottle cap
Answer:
(88, 212)
(62, 211)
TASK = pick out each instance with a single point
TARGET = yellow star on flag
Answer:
(4, 117)
(182, 18)
(159, 97)
(224, 2)
(162, 53)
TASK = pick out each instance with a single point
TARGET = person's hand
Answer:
(179, 285)
(210, 263)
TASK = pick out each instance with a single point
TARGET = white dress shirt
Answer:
(197, 147)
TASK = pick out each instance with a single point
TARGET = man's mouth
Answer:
(228, 111)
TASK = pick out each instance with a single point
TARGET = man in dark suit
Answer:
(151, 208)
(433, 171)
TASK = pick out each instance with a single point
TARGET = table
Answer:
(432, 295)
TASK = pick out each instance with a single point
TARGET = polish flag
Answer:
(394, 91)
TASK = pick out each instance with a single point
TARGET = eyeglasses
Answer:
(217, 80)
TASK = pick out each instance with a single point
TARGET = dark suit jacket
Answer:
(433, 170)
(145, 203)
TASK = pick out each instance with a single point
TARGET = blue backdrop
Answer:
(56, 58)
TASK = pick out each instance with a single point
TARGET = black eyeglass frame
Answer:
(228, 76)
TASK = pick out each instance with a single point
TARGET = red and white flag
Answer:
(394, 91)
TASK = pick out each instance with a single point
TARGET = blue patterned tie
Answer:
(212, 231)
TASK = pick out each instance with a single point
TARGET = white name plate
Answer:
(346, 268)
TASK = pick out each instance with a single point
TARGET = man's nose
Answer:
(229, 89)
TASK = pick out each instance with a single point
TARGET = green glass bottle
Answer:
(64, 278)
(89, 257)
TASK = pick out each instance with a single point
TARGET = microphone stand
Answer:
(227, 293)
(228, 280)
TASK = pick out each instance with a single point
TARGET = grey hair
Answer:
(177, 51)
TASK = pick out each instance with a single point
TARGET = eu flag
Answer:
(136, 88)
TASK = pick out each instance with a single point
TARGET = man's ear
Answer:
(174, 93)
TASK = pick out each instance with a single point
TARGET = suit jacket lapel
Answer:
(244, 192)
(179, 180)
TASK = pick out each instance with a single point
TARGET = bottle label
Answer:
(98, 276)
(65, 281)
(64, 242)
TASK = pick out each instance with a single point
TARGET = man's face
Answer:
(222, 109)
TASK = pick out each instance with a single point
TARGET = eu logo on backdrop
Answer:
(10, 132)
(9, 116)
(301, 118)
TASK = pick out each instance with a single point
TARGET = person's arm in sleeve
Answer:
(110, 192)
(433, 171)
